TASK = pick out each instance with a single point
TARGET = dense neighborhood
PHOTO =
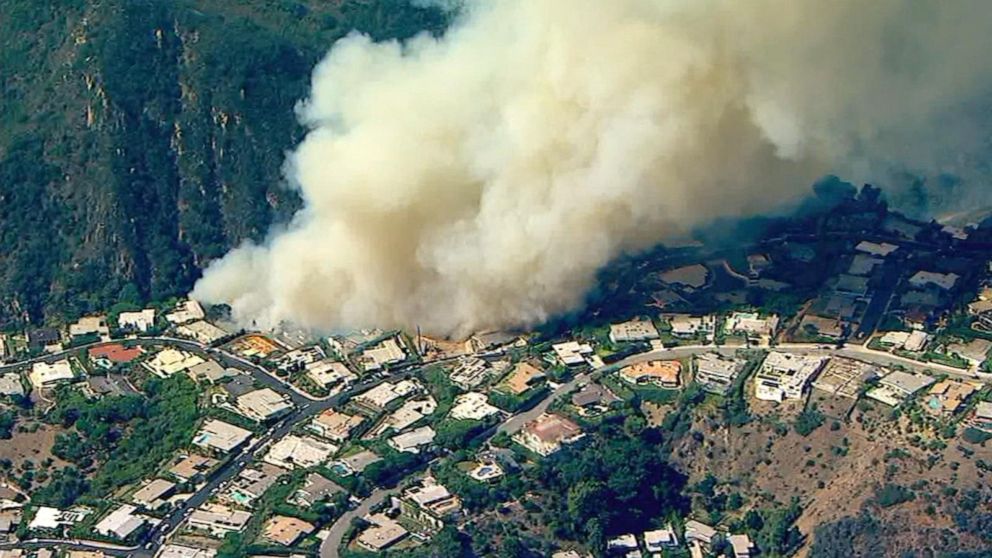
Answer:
(164, 431)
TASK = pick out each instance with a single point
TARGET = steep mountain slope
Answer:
(140, 138)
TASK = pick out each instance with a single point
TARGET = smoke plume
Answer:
(479, 180)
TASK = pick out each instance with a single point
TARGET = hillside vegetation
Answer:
(141, 138)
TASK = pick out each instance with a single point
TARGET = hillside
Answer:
(877, 482)
(141, 138)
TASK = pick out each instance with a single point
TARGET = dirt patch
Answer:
(655, 412)
(35, 446)
(831, 405)
(788, 409)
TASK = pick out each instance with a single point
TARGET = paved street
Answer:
(335, 535)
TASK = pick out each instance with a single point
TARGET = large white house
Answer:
(785, 376)
(44, 375)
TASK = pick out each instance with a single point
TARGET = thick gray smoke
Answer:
(479, 180)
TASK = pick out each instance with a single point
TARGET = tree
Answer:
(753, 521)
(585, 498)
(617, 481)
(512, 547)
(456, 434)
(808, 421)
(7, 421)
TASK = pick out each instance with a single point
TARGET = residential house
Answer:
(210, 371)
(192, 467)
(571, 353)
(109, 385)
(120, 523)
(218, 520)
(237, 386)
(785, 376)
(299, 358)
(751, 323)
(316, 488)
(254, 346)
(377, 398)
(413, 441)
(593, 396)
(982, 302)
(661, 540)
(662, 373)
(717, 374)
(918, 317)
(689, 277)
(294, 452)
(10, 384)
(632, 331)
(490, 340)
(741, 545)
(357, 462)
(523, 376)
(114, 353)
(699, 532)
(982, 416)
(913, 341)
(472, 406)
(852, 285)
(53, 518)
(427, 504)
(830, 328)
(251, 484)
(984, 320)
(219, 436)
(975, 351)
(383, 533)
(442, 349)
(353, 341)
(286, 530)
(202, 332)
(329, 374)
(44, 338)
(685, 325)
(44, 375)
(263, 405)
(335, 425)
(172, 361)
(943, 281)
(757, 264)
(956, 233)
(386, 352)
(947, 397)
(470, 372)
(154, 494)
(186, 311)
(90, 325)
(142, 320)
(863, 264)
(897, 386)
(411, 412)
(547, 433)
(622, 544)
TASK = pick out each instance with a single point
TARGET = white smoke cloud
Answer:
(479, 180)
